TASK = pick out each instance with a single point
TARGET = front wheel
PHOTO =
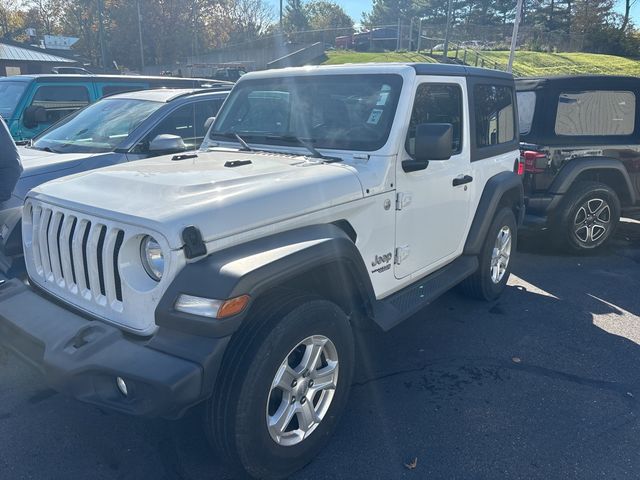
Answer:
(490, 280)
(284, 388)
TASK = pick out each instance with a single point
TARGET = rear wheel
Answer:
(283, 389)
(587, 217)
(490, 280)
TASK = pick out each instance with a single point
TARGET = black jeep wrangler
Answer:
(580, 146)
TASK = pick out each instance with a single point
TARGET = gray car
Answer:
(121, 128)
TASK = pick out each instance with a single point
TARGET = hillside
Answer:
(526, 63)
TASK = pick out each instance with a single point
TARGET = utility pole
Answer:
(514, 36)
(140, 37)
(103, 49)
(399, 31)
(410, 48)
(419, 34)
(281, 16)
(446, 30)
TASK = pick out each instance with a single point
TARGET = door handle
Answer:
(462, 180)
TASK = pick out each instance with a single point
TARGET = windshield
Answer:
(10, 93)
(344, 112)
(98, 128)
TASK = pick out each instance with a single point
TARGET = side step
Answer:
(392, 310)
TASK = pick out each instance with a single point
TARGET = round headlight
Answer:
(152, 257)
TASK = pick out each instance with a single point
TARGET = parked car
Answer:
(581, 149)
(121, 128)
(325, 200)
(30, 104)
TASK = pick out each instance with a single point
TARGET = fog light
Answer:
(122, 386)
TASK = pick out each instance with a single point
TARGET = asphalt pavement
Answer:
(541, 384)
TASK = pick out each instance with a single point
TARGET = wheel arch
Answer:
(321, 259)
(502, 190)
(608, 171)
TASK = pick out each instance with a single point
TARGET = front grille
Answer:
(78, 254)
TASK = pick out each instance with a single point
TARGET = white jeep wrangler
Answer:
(323, 200)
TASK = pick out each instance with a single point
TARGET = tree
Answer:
(324, 14)
(295, 17)
(387, 12)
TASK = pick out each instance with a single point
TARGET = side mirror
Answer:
(208, 123)
(167, 143)
(433, 142)
(34, 115)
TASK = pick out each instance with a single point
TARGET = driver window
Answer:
(180, 122)
(436, 103)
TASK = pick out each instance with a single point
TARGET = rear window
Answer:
(526, 110)
(596, 113)
(495, 119)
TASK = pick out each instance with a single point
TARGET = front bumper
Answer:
(165, 374)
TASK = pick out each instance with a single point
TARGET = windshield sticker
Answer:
(374, 118)
(382, 100)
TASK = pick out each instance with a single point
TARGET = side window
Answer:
(205, 110)
(494, 112)
(597, 113)
(526, 110)
(60, 100)
(436, 103)
(188, 122)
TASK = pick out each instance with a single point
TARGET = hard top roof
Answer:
(578, 82)
(52, 77)
(420, 69)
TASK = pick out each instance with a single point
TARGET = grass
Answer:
(338, 57)
(547, 64)
(526, 63)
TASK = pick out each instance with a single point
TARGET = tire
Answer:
(246, 400)
(587, 217)
(490, 280)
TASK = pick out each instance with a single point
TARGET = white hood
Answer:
(166, 195)
(36, 162)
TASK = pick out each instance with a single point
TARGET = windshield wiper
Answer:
(241, 141)
(304, 143)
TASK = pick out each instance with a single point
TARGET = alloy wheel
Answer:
(501, 254)
(592, 221)
(302, 390)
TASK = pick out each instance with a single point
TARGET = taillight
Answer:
(531, 158)
(519, 167)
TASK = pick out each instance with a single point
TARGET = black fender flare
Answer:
(501, 184)
(572, 169)
(255, 267)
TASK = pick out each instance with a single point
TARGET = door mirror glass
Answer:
(34, 116)
(208, 123)
(433, 141)
(166, 143)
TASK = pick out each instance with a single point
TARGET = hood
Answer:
(38, 162)
(220, 192)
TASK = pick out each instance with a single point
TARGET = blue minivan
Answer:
(30, 104)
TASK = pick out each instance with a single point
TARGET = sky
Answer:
(354, 8)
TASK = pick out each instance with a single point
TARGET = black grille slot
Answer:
(116, 272)
(85, 243)
(73, 266)
(103, 234)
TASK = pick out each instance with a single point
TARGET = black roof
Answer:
(578, 82)
(459, 71)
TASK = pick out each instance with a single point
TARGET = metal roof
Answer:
(14, 53)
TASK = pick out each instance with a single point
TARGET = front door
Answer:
(433, 204)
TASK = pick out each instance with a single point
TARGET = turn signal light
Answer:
(233, 306)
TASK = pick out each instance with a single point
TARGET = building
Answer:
(19, 59)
